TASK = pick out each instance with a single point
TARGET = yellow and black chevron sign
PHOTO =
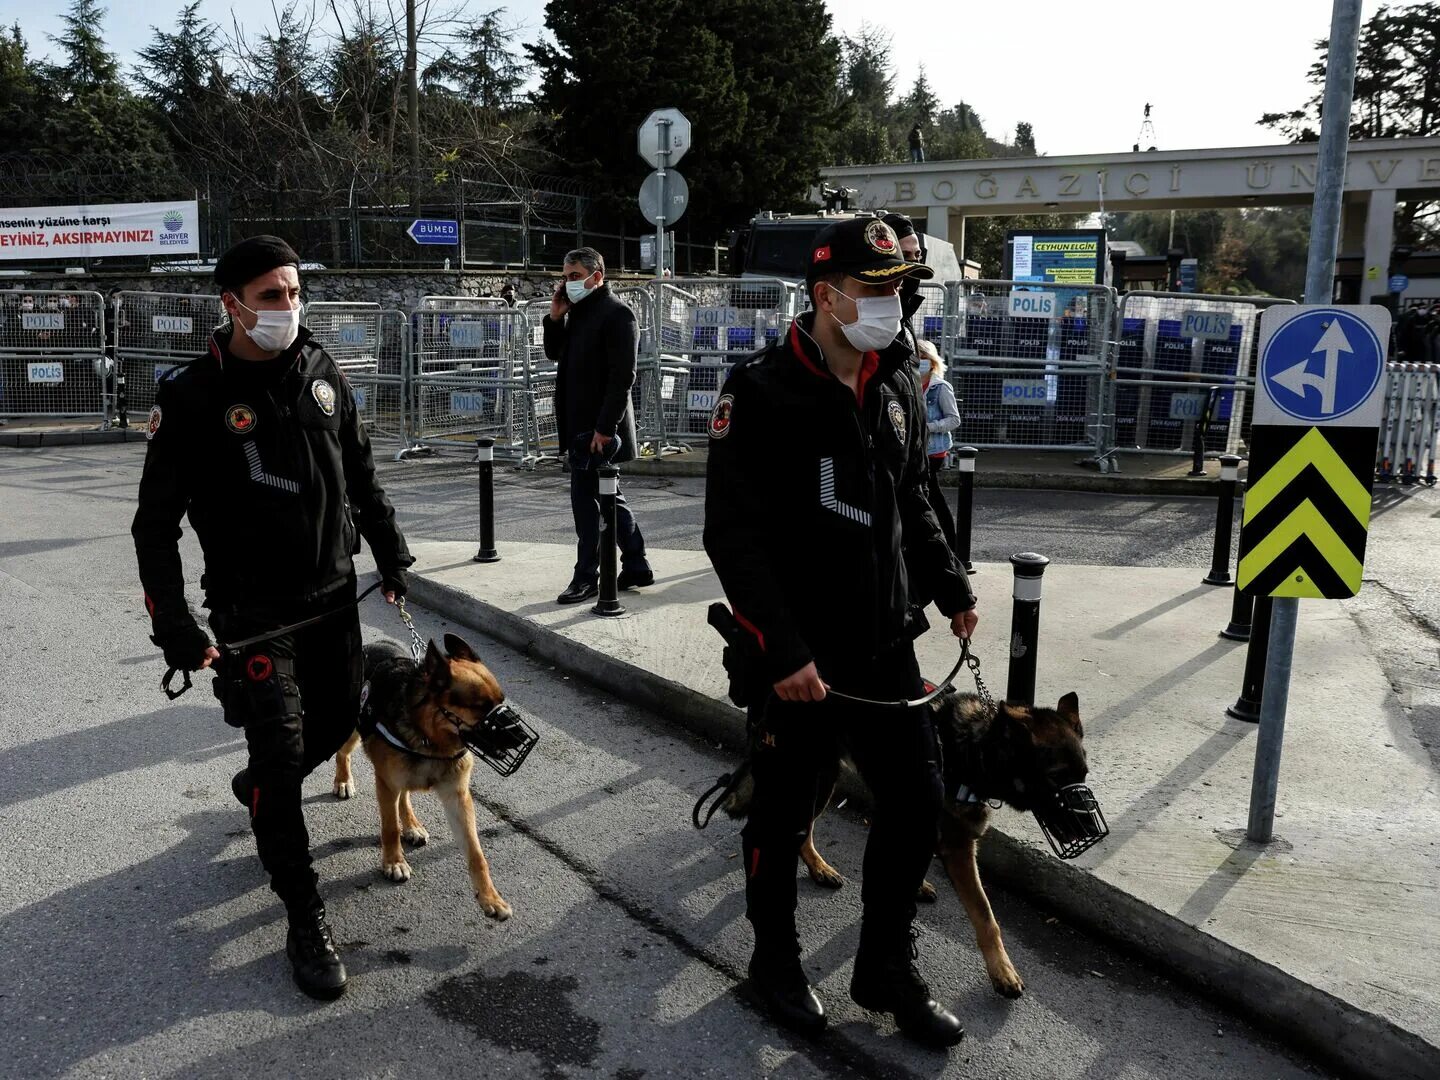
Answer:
(1307, 511)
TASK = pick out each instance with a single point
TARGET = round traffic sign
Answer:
(670, 198)
(1322, 365)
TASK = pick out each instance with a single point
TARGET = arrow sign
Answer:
(1321, 365)
(1296, 379)
(434, 231)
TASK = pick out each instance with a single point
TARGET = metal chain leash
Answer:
(973, 663)
(417, 643)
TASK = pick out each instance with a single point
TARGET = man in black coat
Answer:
(259, 444)
(591, 335)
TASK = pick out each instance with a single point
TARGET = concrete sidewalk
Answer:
(1331, 935)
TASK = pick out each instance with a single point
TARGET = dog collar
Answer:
(399, 744)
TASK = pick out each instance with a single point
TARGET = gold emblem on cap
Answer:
(882, 238)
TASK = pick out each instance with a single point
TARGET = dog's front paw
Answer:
(415, 836)
(926, 893)
(1006, 979)
(822, 873)
(344, 789)
(494, 906)
(396, 871)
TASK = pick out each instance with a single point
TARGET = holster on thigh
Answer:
(258, 688)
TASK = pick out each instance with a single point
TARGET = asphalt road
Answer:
(139, 939)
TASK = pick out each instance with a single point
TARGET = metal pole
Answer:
(1241, 611)
(1252, 683)
(1224, 521)
(1319, 289)
(609, 600)
(965, 505)
(412, 94)
(485, 455)
(664, 155)
(1025, 626)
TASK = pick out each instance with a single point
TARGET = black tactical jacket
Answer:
(816, 517)
(272, 464)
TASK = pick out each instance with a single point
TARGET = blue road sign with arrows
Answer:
(1321, 365)
(434, 231)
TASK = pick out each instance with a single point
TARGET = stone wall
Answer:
(392, 290)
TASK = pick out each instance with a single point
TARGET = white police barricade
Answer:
(935, 319)
(1408, 432)
(1170, 349)
(542, 434)
(450, 303)
(703, 326)
(153, 334)
(52, 355)
(646, 395)
(1027, 362)
(470, 377)
(371, 346)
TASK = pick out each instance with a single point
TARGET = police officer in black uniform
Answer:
(817, 522)
(912, 251)
(259, 442)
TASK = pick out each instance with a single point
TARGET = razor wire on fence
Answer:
(154, 334)
(52, 355)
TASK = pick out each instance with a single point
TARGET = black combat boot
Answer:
(311, 948)
(886, 980)
(241, 787)
(778, 980)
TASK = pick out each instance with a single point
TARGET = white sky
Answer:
(1080, 71)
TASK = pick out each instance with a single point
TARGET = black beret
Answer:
(902, 225)
(250, 258)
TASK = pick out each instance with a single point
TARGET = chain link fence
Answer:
(52, 355)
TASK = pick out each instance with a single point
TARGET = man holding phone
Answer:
(592, 337)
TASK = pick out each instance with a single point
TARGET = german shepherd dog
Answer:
(427, 706)
(1016, 754)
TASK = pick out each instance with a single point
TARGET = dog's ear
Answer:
(437, 668)
(459, 649)
(1069, 708)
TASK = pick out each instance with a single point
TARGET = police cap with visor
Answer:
(864, 248)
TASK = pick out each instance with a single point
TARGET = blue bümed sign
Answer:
(434, 231)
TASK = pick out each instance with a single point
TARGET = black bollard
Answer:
(965, 505)
(1240, 612)
(1224, 521)
(485, 455)
(1247, 706)
(1025, 626)
(609, 601)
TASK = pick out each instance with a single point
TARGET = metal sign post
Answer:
(1319, 284)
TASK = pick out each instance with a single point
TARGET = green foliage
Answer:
(1397, 95)
(1241, 252)
(20, 92)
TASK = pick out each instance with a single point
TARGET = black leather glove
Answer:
(395, 581)
(184, 646)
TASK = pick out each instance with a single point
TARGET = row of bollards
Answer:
(608, 601)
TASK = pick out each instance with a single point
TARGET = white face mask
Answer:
(878, 324)
(577, 291)
(273, 330)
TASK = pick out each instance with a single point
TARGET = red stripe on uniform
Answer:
(748, 625)
(799, 350)
(754, 862)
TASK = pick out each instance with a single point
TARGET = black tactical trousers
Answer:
(297, 698)
(793, 746)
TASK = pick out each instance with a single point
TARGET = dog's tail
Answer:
(732, 793)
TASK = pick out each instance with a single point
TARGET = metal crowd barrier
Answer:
(471, 376)
(704, 325)
(371, 347)
(52, 355)
(153, 334)
(1408, 431)
(1169, 350)
(1028, 363)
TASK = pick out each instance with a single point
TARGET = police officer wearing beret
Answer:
(259, 443)
(817, 523)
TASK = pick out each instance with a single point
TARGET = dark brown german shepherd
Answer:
(427, 706)
(1015, 754)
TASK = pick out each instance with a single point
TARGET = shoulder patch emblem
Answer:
(240, 419)
(881, 238)
(720, 417)
(897, 419)
(154, 424)
(365, 695)
(324, 395)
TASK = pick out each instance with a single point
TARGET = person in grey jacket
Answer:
(942, 416)
(591, 336)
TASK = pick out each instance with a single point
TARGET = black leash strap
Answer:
(236, 646)
(965, 660)
(724, 786)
